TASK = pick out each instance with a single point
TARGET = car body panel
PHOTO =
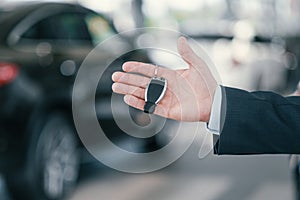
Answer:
(47, 69)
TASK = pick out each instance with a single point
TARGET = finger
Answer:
(134, 102)
(187, 54)
(145, 69)
(121, 88)
(130, 79)
(197, 64)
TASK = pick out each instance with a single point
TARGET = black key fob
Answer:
(154, 92)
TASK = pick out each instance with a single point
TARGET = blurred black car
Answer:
(42, 46)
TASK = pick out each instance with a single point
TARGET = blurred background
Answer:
(255, 45)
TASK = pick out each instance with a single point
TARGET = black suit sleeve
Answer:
(258, 123)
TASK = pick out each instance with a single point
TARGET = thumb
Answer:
(187, 54)
(197, 64)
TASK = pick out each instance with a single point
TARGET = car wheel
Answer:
(52, 170)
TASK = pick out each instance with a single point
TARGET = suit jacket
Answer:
(258, 123)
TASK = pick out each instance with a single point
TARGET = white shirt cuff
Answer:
(213, 125)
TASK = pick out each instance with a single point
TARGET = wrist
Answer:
(206, 109)
(214, 123)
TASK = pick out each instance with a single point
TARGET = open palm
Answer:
(189, 93)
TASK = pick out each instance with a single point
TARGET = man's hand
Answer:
(189, 93)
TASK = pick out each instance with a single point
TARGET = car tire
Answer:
(52, 167)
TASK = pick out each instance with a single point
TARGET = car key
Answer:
(154, 92)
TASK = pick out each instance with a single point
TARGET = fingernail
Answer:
(113, 87)
(126, 99)
(124, 66)
(115, 76)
